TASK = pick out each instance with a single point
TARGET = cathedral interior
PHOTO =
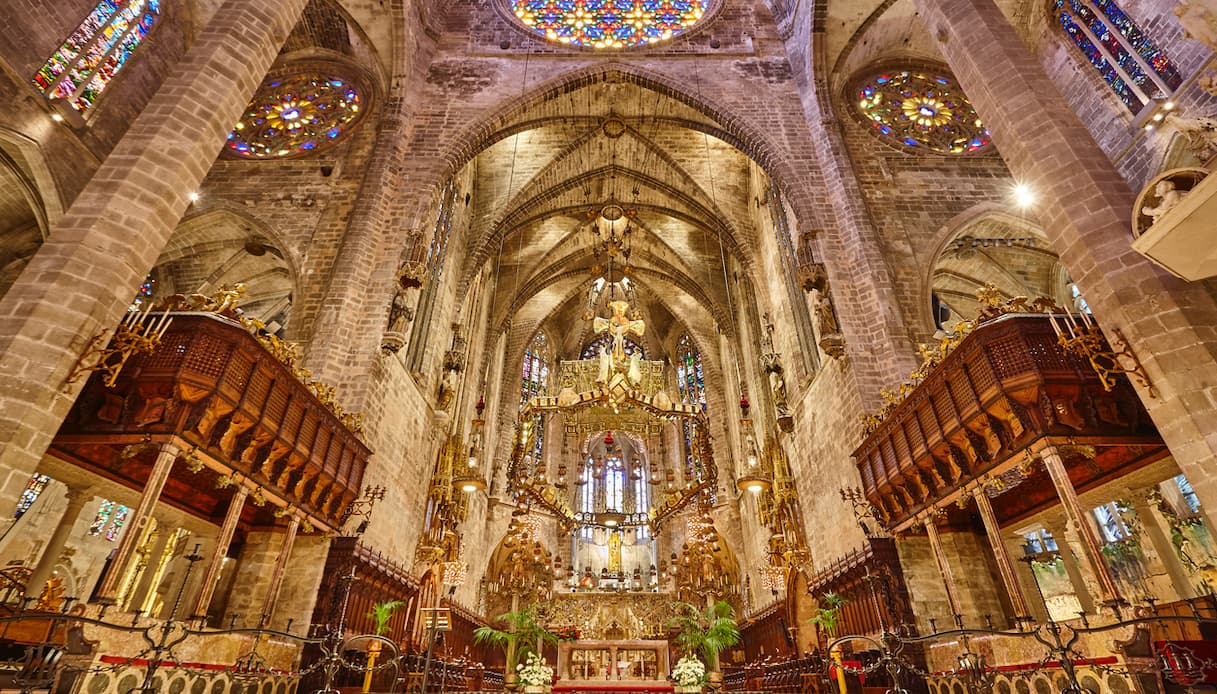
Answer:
(855, 346)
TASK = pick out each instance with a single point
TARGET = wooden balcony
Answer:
(1007, 386)
(213, 387)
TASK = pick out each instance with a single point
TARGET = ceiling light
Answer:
(1023, 195)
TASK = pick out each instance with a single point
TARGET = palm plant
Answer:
(828, 616)
(523, 635)
(708, 632)
(381, 613)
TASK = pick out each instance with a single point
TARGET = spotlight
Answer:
(56, 117)
(194, 197)
(1023, 195)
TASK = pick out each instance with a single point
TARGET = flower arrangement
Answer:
(534, 672)
(567, 633)
(689, 672)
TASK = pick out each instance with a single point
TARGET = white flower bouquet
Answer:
(534, 672)
(689, 672)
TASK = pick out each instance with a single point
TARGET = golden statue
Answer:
(614, 552)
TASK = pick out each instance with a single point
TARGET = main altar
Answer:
(637, 662)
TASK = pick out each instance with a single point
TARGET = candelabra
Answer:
(1108, 355)
(362, 508)
(132, 336)
(864, 512)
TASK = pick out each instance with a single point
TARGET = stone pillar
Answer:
(1005, 566)
(212, 573)
(77, 498)
(137, 522)
(1026, 579)
(1084, 208)
(944, 567)
(1066, 541)
(1159, 540)
(276, 579)
(152, 564)
(1080, 523)
(84, 276)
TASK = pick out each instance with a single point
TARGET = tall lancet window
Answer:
(1127, 60)
(534, 379)
(691, 380)
(103, 43)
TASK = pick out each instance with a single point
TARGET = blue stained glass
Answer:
(1141, 43)
(33, 489)
(1094, 55)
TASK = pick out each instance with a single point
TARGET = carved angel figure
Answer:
(1199, 22)
(1168, 198)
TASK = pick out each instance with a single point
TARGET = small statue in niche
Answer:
(1199, 22)
(831, 340)
(777, 384)
(1168, 199)
(401, 309)
(447, 389)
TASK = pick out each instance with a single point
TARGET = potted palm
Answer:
(380, 615)
(523, 635)
(827, 618)
(709, 632)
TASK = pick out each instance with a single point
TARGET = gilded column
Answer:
(137, 522)
(1004, 565)
(276, 579)
(944, 567)
(81, 280)
(77, 498)
(1080, 524)
(223, 541)
(139, 596)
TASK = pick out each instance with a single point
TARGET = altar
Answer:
(642, 664)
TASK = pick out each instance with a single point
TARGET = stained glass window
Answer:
(534, 381)
(1126, 59)
(110, 519)
(609, 23)
(614, 484)
(921, 110)
(32, 490)
(642, 504)
(94, 53)
(592, 349)
(296, 115)
(689, 376)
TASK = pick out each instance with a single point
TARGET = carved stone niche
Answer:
(833, 345)
(1172, 221)
(813, 277)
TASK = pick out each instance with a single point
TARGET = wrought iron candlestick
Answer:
(1108, 357)
(134, 335)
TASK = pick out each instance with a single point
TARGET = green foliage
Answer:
(382, 612)
(709, 632)
(522, 633)
(828, 616)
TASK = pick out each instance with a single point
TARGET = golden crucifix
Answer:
(617, 325)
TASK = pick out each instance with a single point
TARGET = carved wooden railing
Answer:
(213, 386)
(1006, 386)
(872, 582)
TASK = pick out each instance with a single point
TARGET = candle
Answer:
(1056, 328)
(164, 328)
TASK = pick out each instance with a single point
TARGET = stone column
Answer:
(1066, 540)
(1026, 579)
(1159, 540)
(137, 521)
(82, 279)
(944, 567)
(152, 563)
(77, 498)
(276, 579)
(1080, 523)
(1084, 208)
(212, 573)
(1004, 565)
